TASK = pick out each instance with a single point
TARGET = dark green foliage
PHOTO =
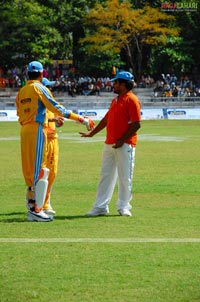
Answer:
(47, 30)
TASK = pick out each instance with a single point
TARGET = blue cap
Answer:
(46, 82)
(124, 75)
(35, 66)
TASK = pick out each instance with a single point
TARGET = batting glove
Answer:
(87, 122)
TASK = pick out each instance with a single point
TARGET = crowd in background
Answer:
(168, 85)
(171, 86)
(82, 85)
(72, 85)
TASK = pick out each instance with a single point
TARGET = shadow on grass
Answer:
(82, 216)
(11, 217)
(12, 220)
(11, 214)
(4, 217)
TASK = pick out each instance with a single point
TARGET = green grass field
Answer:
(152, 256)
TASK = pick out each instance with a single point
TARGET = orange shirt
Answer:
(123, 111)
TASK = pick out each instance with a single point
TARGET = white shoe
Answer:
(124, 212)
(40, 217)
(49, 211)
(97, 212)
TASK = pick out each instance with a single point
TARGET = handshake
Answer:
(87, 122)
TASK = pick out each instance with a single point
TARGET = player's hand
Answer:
(119, 143)
(88, 123)
(59, 121)
(83, 134)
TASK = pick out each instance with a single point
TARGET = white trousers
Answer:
(116, 163)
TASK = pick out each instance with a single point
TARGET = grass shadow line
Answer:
(68, 217)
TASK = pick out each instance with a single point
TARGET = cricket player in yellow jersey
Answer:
(52, 156)
(52, 122)
(32, 101)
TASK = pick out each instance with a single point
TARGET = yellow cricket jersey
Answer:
(50, 126)
(32, 101)
(51, 154)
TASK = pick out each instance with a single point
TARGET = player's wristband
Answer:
(76, 117)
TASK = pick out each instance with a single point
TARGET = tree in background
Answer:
(26, 33)
(117, 27)
(190, 44)
(180, 54)
(136, 34)
(41, 29)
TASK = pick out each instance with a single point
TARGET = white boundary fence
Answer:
(96, 106)
(147, 114)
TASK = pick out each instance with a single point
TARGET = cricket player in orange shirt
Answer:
(122, 121)
(31, 102)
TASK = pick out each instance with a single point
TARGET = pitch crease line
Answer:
(100, 240)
